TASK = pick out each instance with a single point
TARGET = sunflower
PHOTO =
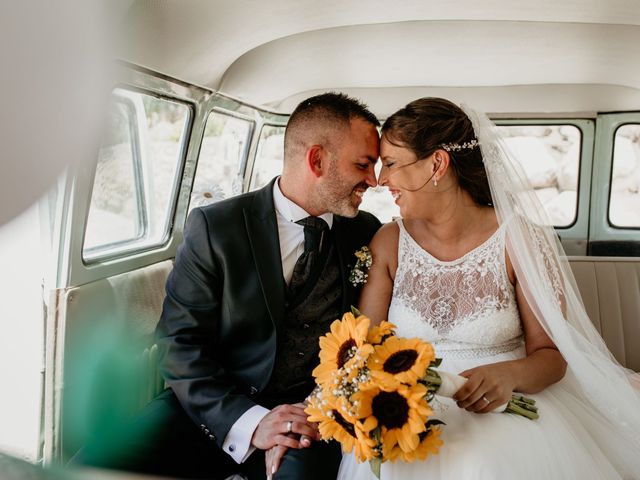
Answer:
(400, 414)
(430, 443)
(403, 360)
(379, 333)
(340, 345)
(335, 423)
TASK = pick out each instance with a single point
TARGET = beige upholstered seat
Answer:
(110, 361)
(610, 289)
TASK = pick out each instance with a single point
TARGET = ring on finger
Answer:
(486, 400)
(289, 426)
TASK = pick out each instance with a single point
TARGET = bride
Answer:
(474, 268)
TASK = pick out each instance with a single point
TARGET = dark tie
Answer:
(315, 231)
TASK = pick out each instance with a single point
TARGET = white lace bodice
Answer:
(465, 305)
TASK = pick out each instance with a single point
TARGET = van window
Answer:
(550, 158)
(624, 203)
(135, 183)
(222, 154)
(269, 157)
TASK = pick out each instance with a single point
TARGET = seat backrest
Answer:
(110, 360)
(610, 289)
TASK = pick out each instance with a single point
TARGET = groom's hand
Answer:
(275, 427)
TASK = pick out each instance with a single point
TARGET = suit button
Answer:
(253, 390)
(212, 437)
(206, 431)
(202, 427)
(232, 448)
(300, 354)
(305, 326)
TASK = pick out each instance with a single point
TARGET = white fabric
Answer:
(468, 302)
(451, 383)
(291, 237)
(237, 443)
(497, 446)
(291, 234)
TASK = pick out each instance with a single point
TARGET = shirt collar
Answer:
(290, 210)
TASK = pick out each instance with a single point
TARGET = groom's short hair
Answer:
(318, 119)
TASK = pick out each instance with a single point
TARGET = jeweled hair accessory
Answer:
(456, 147)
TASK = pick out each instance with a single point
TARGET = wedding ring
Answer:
(289, 426)
(485, 399)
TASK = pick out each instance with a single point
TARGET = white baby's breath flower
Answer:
(359, 273)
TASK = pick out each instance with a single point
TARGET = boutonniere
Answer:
(359, 273)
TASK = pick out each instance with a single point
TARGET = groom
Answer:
(257, 280)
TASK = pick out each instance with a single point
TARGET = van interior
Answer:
(196, 104)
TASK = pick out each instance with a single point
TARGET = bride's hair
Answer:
(425, 125)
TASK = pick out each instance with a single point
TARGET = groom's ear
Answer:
(315, 159)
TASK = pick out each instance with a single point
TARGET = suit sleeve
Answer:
(188, 336)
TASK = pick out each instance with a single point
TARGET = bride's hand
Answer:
(273, 458)
(487, 387)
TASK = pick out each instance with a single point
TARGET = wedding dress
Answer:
(467, 309)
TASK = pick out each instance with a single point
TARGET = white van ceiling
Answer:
(501, 56)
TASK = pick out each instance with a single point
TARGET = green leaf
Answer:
(375, 464)
(355, 311)
(433, 422)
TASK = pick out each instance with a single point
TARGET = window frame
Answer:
(245, 150)
(574, 236)
(601, 231)
(125, 248)
(139, 193)
(250, 176)
(75, 185)
(613, 151)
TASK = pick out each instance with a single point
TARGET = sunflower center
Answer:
(346, 352)
(391, 409)
(347, 427)
(400, 361)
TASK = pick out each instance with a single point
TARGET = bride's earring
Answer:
(435, 182)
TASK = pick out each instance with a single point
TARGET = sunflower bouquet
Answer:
(369, 396)
(374, 389)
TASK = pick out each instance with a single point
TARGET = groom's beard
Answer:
(341, 197)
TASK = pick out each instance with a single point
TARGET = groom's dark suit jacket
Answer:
(225, 305)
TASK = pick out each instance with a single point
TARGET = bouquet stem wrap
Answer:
(446, 384)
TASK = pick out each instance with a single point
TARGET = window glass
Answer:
(269, 156)
(222, 153)
(624, 206)
(550, 157)
(378, 200)
(135, 183)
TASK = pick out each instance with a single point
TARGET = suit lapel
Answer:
(344, 248)
(262, 230)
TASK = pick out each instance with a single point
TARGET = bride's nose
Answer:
(383, 177)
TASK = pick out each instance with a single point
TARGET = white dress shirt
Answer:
(237, 443)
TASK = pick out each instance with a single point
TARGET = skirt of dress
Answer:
(564, 443)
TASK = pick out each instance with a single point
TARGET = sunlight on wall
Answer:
(22, 335)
